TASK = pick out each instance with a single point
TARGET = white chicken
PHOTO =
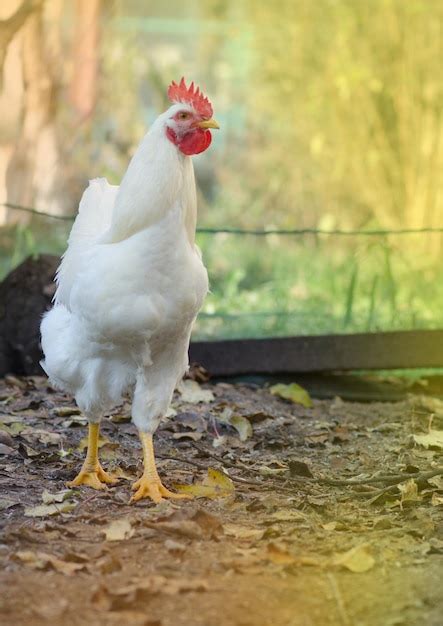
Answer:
(130, 286)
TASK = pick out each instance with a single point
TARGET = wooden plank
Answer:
(388, 350)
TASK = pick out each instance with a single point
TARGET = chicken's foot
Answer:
(92, 474)
(150, 485)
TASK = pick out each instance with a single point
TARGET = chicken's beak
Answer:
(208, 124)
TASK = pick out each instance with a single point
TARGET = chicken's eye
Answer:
(183, 115)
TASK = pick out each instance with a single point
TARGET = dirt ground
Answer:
(324, 515)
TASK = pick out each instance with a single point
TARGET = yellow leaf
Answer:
(241, 424)
(13, 428)
(264, 470)
(358, 559)
(191, 392)
(215, 485)
(433, 439)
(60, 496)
(437, 481)
(43, 510)
(409, 491)
(292, 392)
(436, 500)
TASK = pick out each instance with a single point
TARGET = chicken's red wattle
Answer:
(192, 143)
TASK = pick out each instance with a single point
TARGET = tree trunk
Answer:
(11, 96)
(83, 88)
(33, 168)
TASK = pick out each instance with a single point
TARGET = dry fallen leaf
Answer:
(433, 439)
(13, 381)
(436, 481)
(119, 529)
(358, 559)
(436, 500)
(41, 560)
(119, 472)
(279, 555)
(264, 470)
(191, 392)
(7, 450)
(108, 564)
(6, 439)
(46, 437)
(75, 420)
(174, 547)
(433, 405)
(243, 532)
(117, 598)
(12, 428)
(210, 524)
(188, 435)
(60, 496)
(184, 528)
(7, 503)
(44, 510)
(241, 424)
(215, 485)
(67, 411)
(51, 610)
(409, 491)
(288, 516)
(292, 392)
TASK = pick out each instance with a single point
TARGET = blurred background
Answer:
(331, 119)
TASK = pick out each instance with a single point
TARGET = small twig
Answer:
(388, 479)
(222, 460)
(374, 495)
(205, 467)
(392, 480)
(237, 479)
(86, 501)
(418, 478)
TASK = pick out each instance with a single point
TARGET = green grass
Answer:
(279, 286)
(299, 286)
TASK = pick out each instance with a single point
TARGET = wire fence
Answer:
(336, 296)
(378, 232)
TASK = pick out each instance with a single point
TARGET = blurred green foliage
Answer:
(277, 286)
(331, 115)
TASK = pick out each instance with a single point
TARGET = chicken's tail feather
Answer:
(76, 364)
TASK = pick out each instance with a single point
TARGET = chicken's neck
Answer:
(159, 179)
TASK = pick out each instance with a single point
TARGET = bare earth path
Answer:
(275, 546)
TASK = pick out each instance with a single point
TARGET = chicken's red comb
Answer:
(190, 95)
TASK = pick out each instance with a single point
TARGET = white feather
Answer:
(129, 286)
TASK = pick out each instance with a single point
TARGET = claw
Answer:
(96, 479)
(153, 488)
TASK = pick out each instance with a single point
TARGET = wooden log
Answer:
(386, 350)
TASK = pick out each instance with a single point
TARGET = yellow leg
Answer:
(150, 485)
(92, 474)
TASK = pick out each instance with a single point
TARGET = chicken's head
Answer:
(190, 118)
